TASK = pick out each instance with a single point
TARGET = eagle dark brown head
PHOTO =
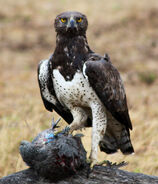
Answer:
(71, 23)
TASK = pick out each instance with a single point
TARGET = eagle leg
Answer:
(99, 125)
(79, 119)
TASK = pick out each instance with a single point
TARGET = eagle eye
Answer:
(79, 20)
(63, 20)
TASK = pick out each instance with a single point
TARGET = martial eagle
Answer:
(85, 88)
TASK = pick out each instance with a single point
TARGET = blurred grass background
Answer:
(126, 30)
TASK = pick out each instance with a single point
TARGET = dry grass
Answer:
(127, 30)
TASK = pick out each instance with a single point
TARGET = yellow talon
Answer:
(103, 162)
(91, 162)
(57, 132)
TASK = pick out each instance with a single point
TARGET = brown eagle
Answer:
(85, 88)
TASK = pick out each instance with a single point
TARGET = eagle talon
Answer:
(104, 162)
(57, 132)
(67, 130)
(91, 163)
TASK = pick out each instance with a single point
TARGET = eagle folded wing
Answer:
(45, 84)
(106, 81)
(48, 94)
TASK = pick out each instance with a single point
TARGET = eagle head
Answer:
(71, 23)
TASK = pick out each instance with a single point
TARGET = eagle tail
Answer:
(125, 144)
(110, 144)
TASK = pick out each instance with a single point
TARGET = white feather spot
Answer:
(66, 49)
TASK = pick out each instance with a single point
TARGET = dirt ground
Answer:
(126, 30)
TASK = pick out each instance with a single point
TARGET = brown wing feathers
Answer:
(106, 81)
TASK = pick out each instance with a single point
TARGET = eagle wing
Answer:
(106, 81)
(47, 91)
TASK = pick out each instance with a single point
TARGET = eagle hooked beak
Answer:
(71, 24)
